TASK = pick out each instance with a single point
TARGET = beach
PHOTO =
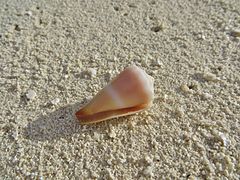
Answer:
(55, 56)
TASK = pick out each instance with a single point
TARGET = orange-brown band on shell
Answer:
(101, 116)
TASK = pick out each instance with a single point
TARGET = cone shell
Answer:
(130, 92)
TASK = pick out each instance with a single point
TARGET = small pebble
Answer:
(148, 160)
(96, 136)
(185, 88)
(108, 76)
(158, 63)
(219, 166)
(145, 62)
(224, 139)
(92, 72)
(207, 96)
(229, 164)
(192, 177)
(55, 101)
(31, 94)
(29, 13)
(148, 171)
(15, 135)
(109, 173)
(94, 175)
(200, 36)
(179, 112)
(227, 111)
(210, 77)
(112, 134)
(122, 158)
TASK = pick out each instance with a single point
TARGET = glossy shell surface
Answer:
(130, 92)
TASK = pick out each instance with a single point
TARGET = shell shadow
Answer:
(61, 123)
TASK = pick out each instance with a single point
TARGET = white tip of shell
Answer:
(146, 79)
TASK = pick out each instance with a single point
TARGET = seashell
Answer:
(130, 92)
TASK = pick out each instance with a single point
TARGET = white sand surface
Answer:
(60, 53)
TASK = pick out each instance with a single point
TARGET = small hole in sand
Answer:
(17, 28)
(116, 8)
(151, 17)
(156, 28)
(132, 6)
(152, 2)
(191, 87)
(188, 175)
(40, 21)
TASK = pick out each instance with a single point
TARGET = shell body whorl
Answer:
(130, 92)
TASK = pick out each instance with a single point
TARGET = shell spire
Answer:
(130, 92)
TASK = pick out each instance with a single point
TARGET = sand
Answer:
(56, 55)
